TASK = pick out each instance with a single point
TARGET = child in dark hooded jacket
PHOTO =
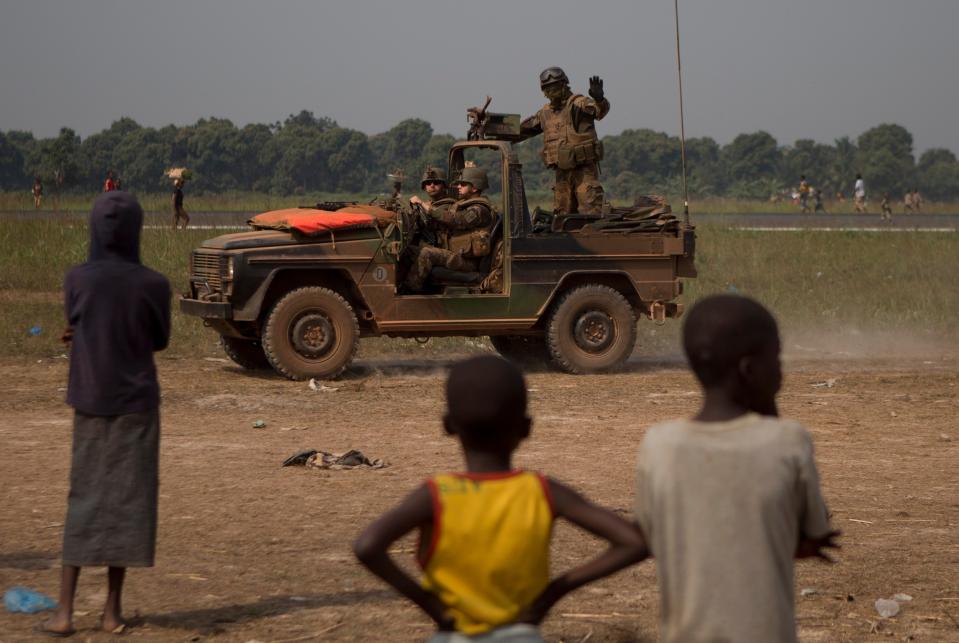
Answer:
(118, 314)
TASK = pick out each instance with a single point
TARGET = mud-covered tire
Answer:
(311, 332)
(592, 328)
(523, 350)
(247, 353)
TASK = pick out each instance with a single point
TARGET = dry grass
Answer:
(827, 283)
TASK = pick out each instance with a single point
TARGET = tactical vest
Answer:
(442, 202)
(563, 147)
(475, 243)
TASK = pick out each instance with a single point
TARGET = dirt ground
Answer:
(252, 551)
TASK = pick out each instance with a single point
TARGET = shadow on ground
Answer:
(208, 621)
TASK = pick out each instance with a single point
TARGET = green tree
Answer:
(885, 156)
(12, 176)
(938, 174)
(811, 159)
(843, 170)
(750, 161)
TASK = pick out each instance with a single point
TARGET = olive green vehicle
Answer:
(569, 288)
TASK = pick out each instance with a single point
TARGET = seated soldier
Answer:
(434, 184)
(467, 223)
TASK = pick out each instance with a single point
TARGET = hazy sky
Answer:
(812, 69)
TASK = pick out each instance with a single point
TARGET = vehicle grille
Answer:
(206, 267)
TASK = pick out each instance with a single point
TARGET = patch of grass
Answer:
(812, 280)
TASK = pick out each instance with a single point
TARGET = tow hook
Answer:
(657, 312)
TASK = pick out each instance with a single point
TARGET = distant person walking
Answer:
(859, 194)
(110, 184)
(804, 190)
(907, 202)
(819, 207)
(178, 211)
(916, 200)
(118, 314)
(886, 208)
(37, 193)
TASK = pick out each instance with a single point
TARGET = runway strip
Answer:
(747, 228)
(802, 229)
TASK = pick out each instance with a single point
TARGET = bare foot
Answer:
(58, 625)
(112, 624)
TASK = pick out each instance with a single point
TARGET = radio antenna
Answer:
(682, 124)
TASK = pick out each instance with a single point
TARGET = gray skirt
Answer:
(114, 479)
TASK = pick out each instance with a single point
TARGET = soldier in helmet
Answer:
(467, 223)
(570, 145)
(434, 184)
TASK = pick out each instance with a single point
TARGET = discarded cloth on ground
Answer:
(315, 459)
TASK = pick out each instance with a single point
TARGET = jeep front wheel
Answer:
(592, 328)
(311, 332)
(247, 353)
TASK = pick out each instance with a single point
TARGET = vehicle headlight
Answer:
(228, 269)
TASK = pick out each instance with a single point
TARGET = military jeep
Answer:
(568, 289)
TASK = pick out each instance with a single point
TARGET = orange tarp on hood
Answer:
(310, 221)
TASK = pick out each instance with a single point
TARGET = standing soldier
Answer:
(570, 145)
(467, 222)
(178, 211)
(109, 185)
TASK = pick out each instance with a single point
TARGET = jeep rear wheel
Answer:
(592, 328)
(247, 353)
(311, 332)
(523, 350)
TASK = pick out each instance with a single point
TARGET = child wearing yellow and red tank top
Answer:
(485, 533)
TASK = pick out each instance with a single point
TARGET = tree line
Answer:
(305, 153)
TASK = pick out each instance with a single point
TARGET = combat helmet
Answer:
(433, 174)
(552, 75)
(475, 176)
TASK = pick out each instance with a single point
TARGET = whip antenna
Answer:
(682, 124)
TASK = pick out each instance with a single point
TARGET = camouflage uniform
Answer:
(467, 223)
(570, 145)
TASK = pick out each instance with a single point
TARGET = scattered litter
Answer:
(316, 386)
(259, 424)
(893, 414)
(352, 459)
(902, 598)
(732, 288)
(808, 591)
(298, 599)
(944, 437)
(886, 607)
(26, 600)
(818, 275)
(35, 330)
(831, 382)
(299, 459)
(216, 359)
(865, 522)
